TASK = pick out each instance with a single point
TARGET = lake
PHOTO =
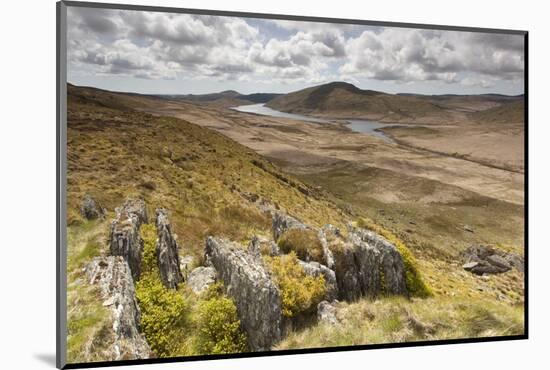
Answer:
(357, 125)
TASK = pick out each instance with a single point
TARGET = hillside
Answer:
(344, 100)
(230, 212)
(253, 98)
(513, 112)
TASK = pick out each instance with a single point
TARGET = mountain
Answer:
(344, 100)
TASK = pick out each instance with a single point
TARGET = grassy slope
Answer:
(506, 113)
(115, 152)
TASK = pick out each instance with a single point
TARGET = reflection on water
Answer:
(357, 125)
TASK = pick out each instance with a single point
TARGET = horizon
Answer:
(158, 53)
(270, 92)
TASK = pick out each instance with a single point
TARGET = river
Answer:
(357, 125)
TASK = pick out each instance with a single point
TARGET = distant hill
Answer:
(224, 95)
(344, 100)
(510, 112)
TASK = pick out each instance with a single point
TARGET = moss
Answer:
(164, 312)
(299, 292)
(304, 242)
(415, 284)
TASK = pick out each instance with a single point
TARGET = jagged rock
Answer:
(326, 313)
(481, 259)
(260, 245)
(201, 278)
(282, 222)
(326, 235)
(316, 269)
(366, 265)
(390, 262)
(125, 239)
(113, 277)
(167, 252)
(257, 298)
(90, 209)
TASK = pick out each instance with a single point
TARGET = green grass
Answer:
(398, 320)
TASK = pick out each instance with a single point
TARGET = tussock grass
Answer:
(397, 320)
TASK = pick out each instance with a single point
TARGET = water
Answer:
(357, 125)
(266, 111)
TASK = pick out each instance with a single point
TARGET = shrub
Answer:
(415, 284)
(219, 328)
(305, 243)
(299, 292)
(163, 311)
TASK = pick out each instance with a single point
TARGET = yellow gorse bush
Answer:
(299, 292)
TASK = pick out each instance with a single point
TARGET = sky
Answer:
(166, 53)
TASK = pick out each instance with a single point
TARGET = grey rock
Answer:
(391, 262)
(257, 298)
(282, 222)
(498, 261)
(125, 239)
(366, 264)
(167, 252)
(316, 269)
(327, 233)
(470, 265)
(326, 313)
(201, 278)
(482, 259)
(90, 208)
(113, 277)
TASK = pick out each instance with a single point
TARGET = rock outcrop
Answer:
(481, 259)
(281, 222)
(91, 209)
(201, 278)
(113, 277)
(125, 239)
(316, 269)
(167, 252)
(365, 264)
(257, 298)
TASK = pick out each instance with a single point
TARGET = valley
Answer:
(451, 176)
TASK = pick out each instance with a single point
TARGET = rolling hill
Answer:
(344, 100)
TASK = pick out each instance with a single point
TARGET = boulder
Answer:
(281, 222)
(482, 259)
(113, 277)
(326, 313)
(90, 208)
(125, 239)
(167, 252)
(316, 269)
(366, 264)
(256, 297)
(390, 262)
(201, 278)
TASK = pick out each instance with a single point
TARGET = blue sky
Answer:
(163, 53)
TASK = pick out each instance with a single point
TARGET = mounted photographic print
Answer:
(239, 184)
